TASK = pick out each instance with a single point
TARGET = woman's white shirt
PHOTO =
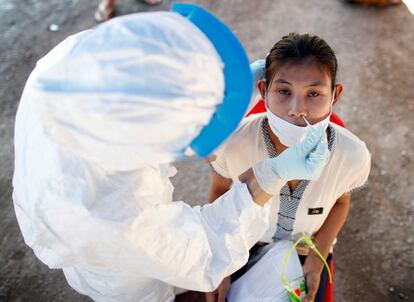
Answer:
(347, 170)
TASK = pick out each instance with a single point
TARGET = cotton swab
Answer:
(305, 120)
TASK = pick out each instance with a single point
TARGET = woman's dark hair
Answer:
(297, 47)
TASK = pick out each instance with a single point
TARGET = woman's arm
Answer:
(218, 186)
(323, 241)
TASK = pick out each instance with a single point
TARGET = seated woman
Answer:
(299, 88)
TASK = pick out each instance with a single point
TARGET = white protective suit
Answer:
(101, 117)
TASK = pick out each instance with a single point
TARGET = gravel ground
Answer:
(374, 254)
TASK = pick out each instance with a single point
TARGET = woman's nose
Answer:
(297, 107)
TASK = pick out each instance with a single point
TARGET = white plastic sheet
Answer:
(262, 282)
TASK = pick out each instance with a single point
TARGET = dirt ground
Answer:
(375, 47)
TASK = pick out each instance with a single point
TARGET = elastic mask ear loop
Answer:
(265, 94)
(332, 100)
(295, 296)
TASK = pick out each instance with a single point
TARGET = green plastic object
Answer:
(294, 297)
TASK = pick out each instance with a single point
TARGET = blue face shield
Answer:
(237, 74)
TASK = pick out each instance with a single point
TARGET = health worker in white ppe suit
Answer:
(101, 118)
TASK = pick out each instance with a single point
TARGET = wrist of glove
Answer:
(302, 161)
(268, 180)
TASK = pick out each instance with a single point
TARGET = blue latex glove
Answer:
(258, 69)
(302, 161)
(305, 160)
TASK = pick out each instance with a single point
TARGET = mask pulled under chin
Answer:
(290, 134)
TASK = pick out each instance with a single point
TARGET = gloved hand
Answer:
(258, 69)
(302, 161)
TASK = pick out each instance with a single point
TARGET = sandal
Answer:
(105, 11)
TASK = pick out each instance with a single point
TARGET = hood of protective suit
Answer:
(133, 91)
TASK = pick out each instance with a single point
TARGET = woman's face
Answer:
(300, 89)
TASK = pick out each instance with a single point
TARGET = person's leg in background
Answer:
(106, 8)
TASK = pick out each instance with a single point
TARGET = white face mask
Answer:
(290, 134)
